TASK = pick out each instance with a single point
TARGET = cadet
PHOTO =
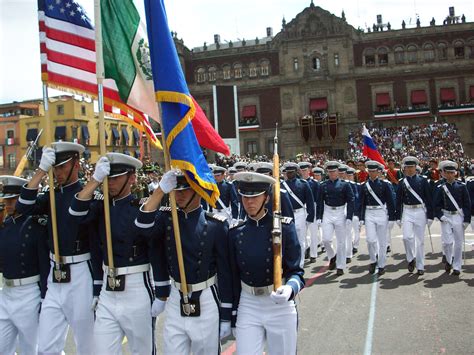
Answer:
(205, 247)
(414, 210)
(67, 302)
(470, 188)
(453, 208)
(305, 168)
(227, 204)
(25, 259)
(316, 240)
(124, 306)
(263, 315)
(302, 201)
(354, 230)
(335, 211)
(377, 208)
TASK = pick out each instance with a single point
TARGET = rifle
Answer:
(29, 151)
(276, 230)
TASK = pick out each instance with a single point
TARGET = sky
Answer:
(196, 22)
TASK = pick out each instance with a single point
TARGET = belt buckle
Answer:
(9, 283)
(259, 291)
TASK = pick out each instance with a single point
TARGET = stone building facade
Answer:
(320, 78)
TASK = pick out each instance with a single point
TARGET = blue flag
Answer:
(177, 105)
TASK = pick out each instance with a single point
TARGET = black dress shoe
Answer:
(323, 249)
(372, 268)
(381, 271)
(332, 263)
(421, 272)
(456, 272)
(448, 267)
(411, 265)
(389, 250)
(340, 272)
(312, 260)
(444, 259)
(354, 251)
(348, 260)
(306, 253)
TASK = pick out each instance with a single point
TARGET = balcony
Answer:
(455, 109)
(248, 124)
(401, 113)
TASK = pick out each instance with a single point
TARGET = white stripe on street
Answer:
(370, 325)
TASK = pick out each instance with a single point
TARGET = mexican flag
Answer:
(126, 55)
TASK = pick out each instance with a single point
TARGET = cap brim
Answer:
(251, 193)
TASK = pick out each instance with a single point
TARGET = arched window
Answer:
(382, 54)
(428, 52)
(399, 55)
(253, 70)
(459, 50)
(226, 72)
(264, 67)
(316, 63)
(237, 70)
(412, 53)
(212, 73)
(442, 51)
(201, 75)
(369, 57)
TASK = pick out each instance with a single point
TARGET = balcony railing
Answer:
(248, 123)
(456, 109)
(407, 112)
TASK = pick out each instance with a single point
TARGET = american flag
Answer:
(67, 45)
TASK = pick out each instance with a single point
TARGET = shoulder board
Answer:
(216, 216)
(138, 201)
(469, 178)
(461, 182)
(165, 209)
(286, 220)
(237, 224)
(40, 219)
(283, 190)
(45, 189)
(98, 196)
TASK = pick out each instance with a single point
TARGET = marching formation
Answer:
(227, 250)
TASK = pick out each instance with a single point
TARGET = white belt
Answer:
(196, 287)
(412, 206)
(257, 291)
(450, 212)
(334, 207)
(375, 207)
(21, 282)
(127, 270)
(73, 259)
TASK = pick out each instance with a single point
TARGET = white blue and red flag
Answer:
(370, 149)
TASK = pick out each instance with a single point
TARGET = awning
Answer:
(31, 134)
(418, 97)
(125, 135)
(136, 135)
(85, 132)
(320, 104)
(60, 133)
(115, 133)
(471, 92)
(447, 94)
(249, 111)
(126, 152)
(137, 153)
(382, 99)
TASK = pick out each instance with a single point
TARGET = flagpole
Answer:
(102, 145)
(174, 216)
(52, 200)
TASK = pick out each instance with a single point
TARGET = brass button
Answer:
(130, 259)
(268, 260)
(204, 233)
(27, 235)
(29, 227)
(269, 249)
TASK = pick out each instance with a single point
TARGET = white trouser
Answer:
(315, 233)
(356, 232)
(259, 319)
(19, 307)
(226, 213)
(452, 239)
(300, 224)
(413, 229)
(389, 234)
(196, 335)
(125, 313)
(335, 221)
(67, 304)
(376, 226)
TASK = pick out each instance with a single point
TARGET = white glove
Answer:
(225, 329)
(48, 158)
(319, 222)
(158, 307)
(168, 181)
(282, 294)
(95, 301)
(430, 222)
(348, 222)
(465, 225)
(399, 223)
(444, 219)
(102, 169)
(361, 223)
(391, 224)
